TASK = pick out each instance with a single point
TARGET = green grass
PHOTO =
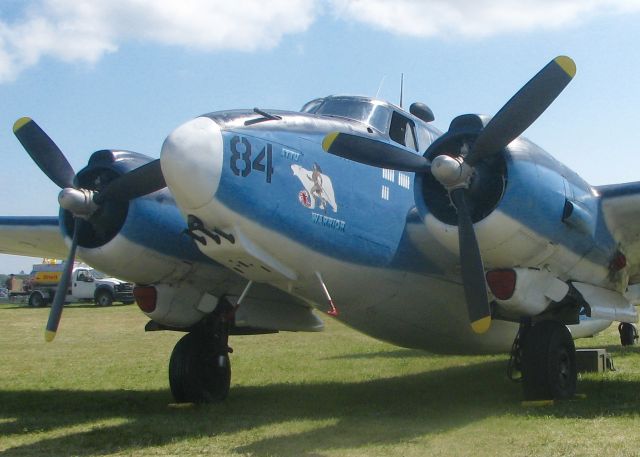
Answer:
(101, 389)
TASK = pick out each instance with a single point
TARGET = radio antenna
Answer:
(380, 86)
(401, 87)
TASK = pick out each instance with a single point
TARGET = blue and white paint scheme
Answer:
(284, 212)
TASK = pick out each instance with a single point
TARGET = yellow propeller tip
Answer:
(329, 139)
(20, 123)
(481, 325)
(567, 64)
(49, 336)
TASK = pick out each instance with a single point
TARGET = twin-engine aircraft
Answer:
(464, 242)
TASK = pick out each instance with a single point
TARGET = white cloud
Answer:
(84, 30)
(474, 18)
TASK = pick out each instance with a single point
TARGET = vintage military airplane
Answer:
(250, 219)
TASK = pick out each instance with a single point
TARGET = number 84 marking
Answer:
(241, 153)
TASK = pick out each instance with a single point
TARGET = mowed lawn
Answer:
(101, 389)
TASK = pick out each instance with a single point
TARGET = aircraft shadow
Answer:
(384, 411)
(395, 354)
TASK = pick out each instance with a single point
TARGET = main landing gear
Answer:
(199, 368)
(545, 355)
(628, 334)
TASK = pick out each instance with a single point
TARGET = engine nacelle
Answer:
(183, 306)
(525, 292)
(174, 306)
(528, 210)
(141, 241)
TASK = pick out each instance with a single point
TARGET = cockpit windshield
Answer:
(362, 110)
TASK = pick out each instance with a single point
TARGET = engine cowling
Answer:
(518, 201)
(141, 240)
(488, 182)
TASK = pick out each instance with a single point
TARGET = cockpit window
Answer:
(402, 131)
(372, 114)
(312, 106)
(424, 137)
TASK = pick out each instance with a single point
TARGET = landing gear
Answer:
(628, 334)
(548, 361)
(199, 368)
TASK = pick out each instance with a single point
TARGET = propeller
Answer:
(373, 152)
(455, 169)
(58, 300)
(81, 203)
(138, 182)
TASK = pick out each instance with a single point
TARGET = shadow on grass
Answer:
(393, 410)
(381, 411)
(395, 354)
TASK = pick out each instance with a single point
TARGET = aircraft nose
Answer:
(191, 161)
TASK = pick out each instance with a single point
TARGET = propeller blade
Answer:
(44, 152)
(61, 292)
(373, 152)
(523, 108)
(475, 287)
(142, 181)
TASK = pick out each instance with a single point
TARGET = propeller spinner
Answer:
(81, 203)
(455, 169)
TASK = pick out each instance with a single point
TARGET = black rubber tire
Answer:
(196, 375)
(103, 298)
(628, 334)
(37, 300)
(549, 362)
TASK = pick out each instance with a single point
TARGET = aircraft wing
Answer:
(33, 236)
(621, 209)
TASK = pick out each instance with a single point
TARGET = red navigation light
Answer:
(502, 283)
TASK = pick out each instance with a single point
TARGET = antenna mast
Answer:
(401, 87)
(380, 86)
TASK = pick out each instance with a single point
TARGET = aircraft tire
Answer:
(197, 374)
(549, 362)
(628, 334)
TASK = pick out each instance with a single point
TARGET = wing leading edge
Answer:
(33, 236)
(621, 209)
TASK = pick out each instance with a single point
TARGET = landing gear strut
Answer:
(199, 368)
(548, 361)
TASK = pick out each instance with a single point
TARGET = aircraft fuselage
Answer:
(390, 265)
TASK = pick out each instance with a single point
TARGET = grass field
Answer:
(101, 389)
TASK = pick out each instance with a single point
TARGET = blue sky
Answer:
(123, 74)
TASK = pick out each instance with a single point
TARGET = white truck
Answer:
(86, 284)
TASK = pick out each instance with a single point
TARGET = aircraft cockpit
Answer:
(378, 115)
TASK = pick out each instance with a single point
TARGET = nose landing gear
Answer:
(199, 368)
